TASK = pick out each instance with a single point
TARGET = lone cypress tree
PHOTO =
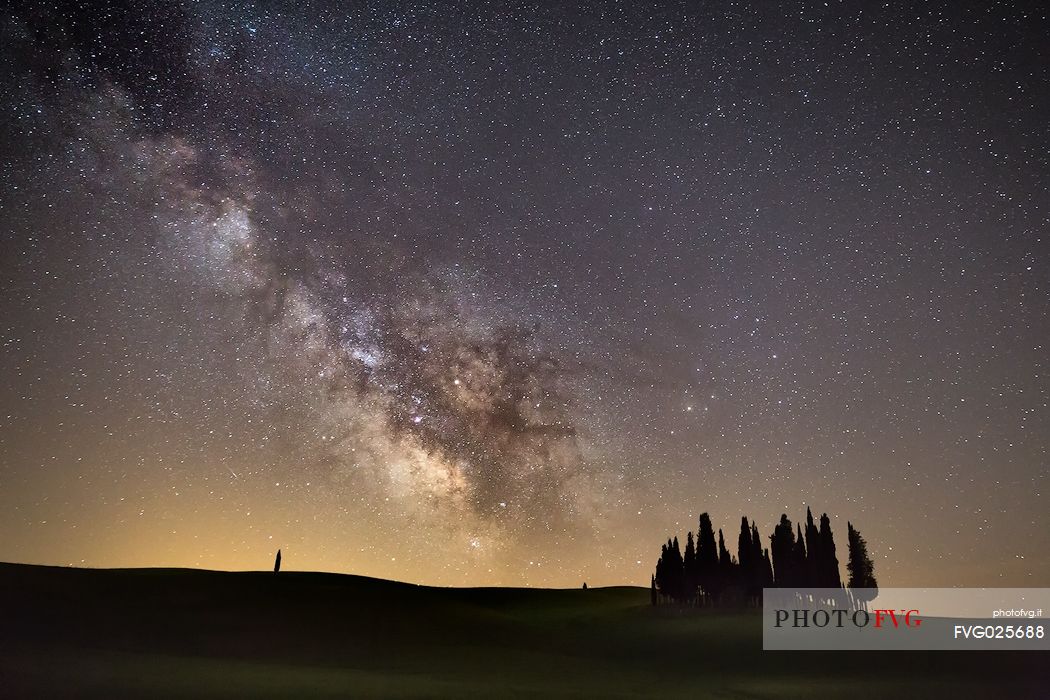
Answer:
(277, 562)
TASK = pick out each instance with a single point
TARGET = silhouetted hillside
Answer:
(178, 632)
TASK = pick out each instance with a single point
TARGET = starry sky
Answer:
(505, 294)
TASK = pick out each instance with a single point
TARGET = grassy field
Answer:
(188, 633)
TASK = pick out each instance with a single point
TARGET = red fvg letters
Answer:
(880, 613)
(909, 621)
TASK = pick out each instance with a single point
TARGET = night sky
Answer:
(509, 293)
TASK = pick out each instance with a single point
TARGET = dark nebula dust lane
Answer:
(505, 294)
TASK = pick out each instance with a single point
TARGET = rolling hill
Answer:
(179, 632)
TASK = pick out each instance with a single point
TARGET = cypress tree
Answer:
(661, 571)
(677, 571)
(829, 572)
(756, 547)
(861, 568)
(767, 570)
(724, 574)
(814, 555)
(756, 580)
(743, 548)
(725, 562)
(720, 578)
(706, 554)
(689, 577)
(749, 565)
(782, 546)
(799, 561)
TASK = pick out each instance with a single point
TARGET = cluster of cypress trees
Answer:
(706, 574)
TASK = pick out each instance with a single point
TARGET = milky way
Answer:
(510, 293)
(469, 393)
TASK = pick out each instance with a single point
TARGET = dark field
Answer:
(177, 632)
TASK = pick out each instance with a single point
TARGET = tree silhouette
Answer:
(277, 562)
(860, 567)
(782, 545)
(677, 570)
(706, 556)
(828, 573)
(726, 569)
(707, 574)
(767, 570)
(661, 571)
(660, 577)
(759, 567)
(814, 555)
(756, 557)
(725, 562)
(749, 552)
(799, 563)
(690, 580)
(669, 571)
(743, 551)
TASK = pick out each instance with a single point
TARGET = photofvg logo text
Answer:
(905, 618)
(821, 617)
